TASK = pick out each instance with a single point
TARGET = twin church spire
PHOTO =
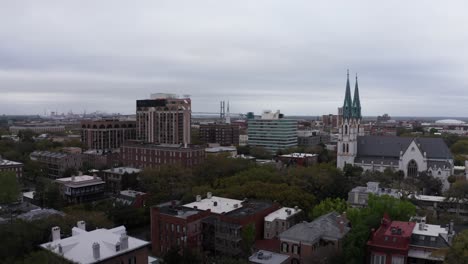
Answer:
(351, 108)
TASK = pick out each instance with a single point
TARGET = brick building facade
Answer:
(142, 155)
(223, 134)
(106, 134)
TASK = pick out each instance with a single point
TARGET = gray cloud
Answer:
(293, 56)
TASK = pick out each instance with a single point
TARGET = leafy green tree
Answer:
(166, 182)
(260, 153)
(328, 205)
(217, 167)
(9, 188)
(458, 252)
(48, 194)
(460, 147)
(248, 239)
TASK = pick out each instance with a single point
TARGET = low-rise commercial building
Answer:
(107, 246)
(84, 188)
(142, 155)
(315, 241)
(281, 220)
(56, 163)
(13, 166)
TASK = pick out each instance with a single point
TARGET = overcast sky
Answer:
(411, 56)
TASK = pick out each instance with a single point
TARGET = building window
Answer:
(284, 247)
(412, 169)
(296, 249)
(377, 259)
(398, 260)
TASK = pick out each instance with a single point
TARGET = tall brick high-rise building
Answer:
(164, 119)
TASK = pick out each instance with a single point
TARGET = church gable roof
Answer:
(384, 146)
(381, 146)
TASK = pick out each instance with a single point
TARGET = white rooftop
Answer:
(131, 193)
(122, 170)
(429, 230)
(282, 214)
(216, 204)
(299, 155)
(80, 181)
(4, 162)
(79, 247)
(268, 257)
(220, 149)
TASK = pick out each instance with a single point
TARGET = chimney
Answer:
(55, 233)
(209, 195)
(81, 225)
(296, 208)
(198, 198)
(73, 177)
(123, 241)
(96, 251)
(451, 231)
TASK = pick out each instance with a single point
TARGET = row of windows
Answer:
(296, 249)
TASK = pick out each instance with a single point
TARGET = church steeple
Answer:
(356, 108)
(347, 105)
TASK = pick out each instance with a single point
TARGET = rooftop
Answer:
(123, 170)
(40, 213)
(49, 154)
(4, 162)
(81, 245)
(80, 181)
(220, 149)
(131, 193)
(282, 214)
(268, 257)
(331, 226)
(216, 204)
(299, 155)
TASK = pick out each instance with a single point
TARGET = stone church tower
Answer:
(350, 128)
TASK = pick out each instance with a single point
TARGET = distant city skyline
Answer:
(293, 56)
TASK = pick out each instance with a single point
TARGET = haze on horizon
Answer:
(288, 55)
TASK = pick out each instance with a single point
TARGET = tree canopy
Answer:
(9, 187)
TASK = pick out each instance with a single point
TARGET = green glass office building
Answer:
(272, 134)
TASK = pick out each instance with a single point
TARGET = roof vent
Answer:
(215, 203)
(209, 195)
(96, 250)
(198, 198)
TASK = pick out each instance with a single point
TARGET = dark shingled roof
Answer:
(389, 147)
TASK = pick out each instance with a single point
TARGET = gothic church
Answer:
(410, 155)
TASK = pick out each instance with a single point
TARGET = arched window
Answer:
(284, 247)
(347, 148)
(296, 249)
(412, 169)
(346, 129)
(344, 148)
